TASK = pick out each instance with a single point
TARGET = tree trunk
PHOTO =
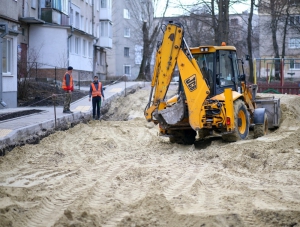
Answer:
(223, 21)
(274, 25)
(148, 47)
(249, 42)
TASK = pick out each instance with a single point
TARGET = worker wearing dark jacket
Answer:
(68, 86)
(96, 92)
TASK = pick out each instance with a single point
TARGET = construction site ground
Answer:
(119, 172)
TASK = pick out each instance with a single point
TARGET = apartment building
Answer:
(286, 17)
(54, 34)
(124, 59)
(9, 31)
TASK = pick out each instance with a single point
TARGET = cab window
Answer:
(225, 71)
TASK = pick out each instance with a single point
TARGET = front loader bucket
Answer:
(272, 106)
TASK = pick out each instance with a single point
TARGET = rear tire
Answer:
(241, 118)
(261, 130)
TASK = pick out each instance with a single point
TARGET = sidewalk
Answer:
(28, 129)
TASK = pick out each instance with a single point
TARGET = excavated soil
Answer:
(118, 172)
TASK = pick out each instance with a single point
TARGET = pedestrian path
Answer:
(50, 118)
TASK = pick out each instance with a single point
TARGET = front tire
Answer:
(261, 130)
(241, 122)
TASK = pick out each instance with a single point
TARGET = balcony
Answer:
(105, 14)
(53, 16)
(105, 42)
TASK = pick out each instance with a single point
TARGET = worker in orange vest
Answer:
(96, 92)
(68, 86)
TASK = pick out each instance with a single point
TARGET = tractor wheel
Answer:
(261, 130)
(241, 118)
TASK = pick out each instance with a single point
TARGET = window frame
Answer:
(103, 4)
(126, 14)
(294, 43)
(127, 32)
(126, 52)
(8, 56)
(77, 45)
(84, 49)
(129, 70)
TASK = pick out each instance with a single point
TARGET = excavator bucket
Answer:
(272, 106)
(174, 114)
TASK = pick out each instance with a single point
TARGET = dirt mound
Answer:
(118, 172)
(41, 94)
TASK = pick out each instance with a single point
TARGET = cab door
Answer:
(225, 70)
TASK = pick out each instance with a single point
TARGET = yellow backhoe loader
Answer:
(212, 97)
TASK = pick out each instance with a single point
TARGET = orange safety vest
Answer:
(64, 85)
(96, 92)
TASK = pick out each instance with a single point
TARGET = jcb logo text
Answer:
(191, 83)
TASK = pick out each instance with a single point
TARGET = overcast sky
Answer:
(173, 11)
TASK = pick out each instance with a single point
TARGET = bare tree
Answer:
(146, 31)
(218, 13)
(249, 41)
(25, 70)
(279, 16)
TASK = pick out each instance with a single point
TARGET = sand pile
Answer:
(118, 172)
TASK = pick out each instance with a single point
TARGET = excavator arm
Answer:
(174, 51)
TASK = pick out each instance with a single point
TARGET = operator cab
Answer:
(219, 67)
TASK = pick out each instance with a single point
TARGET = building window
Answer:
(126, 14)
(90, 49)
(71, 46)
(294, 64)
(294, 2)
(91, 26)
(104, 28)
(294, 20)
(84, 48)
(98, 5)
(126, 51)
(77, 45)
(126, 32)
(127, 70)
(77, 23)
(33, 4)
(61, 5)
(138, 54)
(234, 22)
(7, 56)
(86, 25)
(82, 23)
(103, 4)
(294, 43)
